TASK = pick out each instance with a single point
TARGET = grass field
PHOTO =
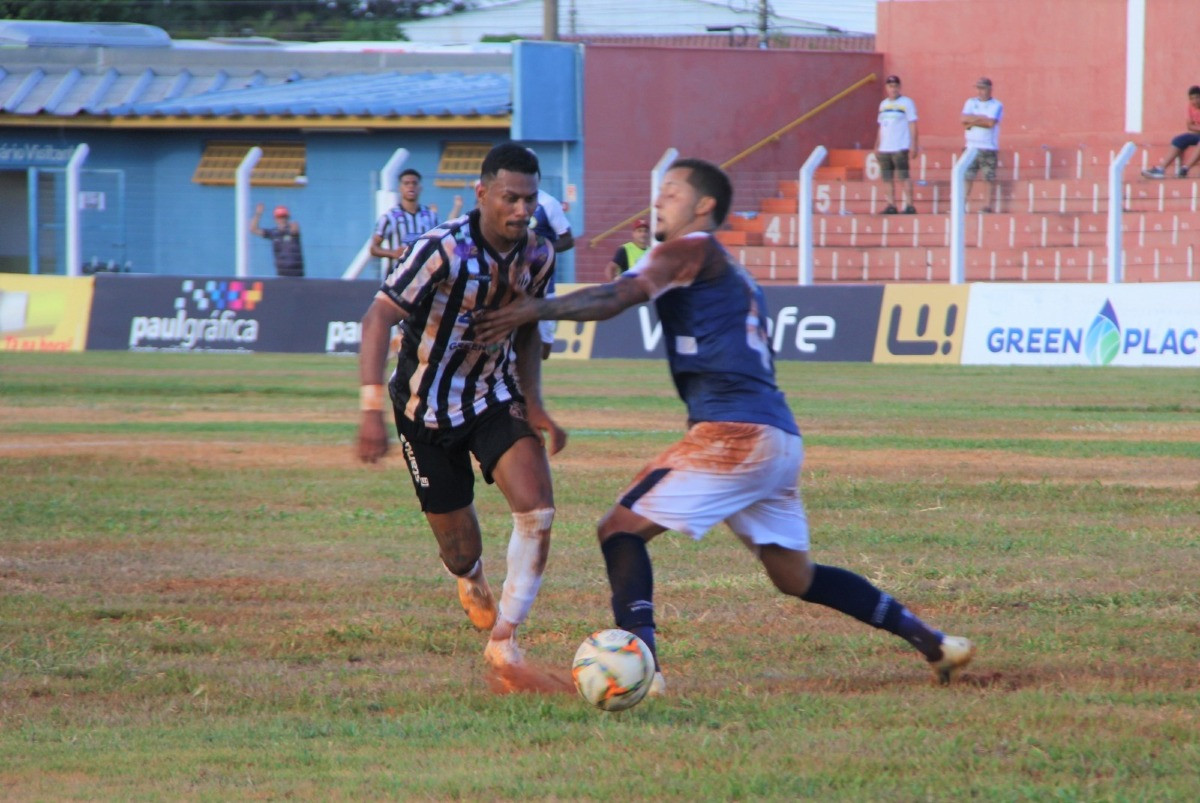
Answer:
(203, 597)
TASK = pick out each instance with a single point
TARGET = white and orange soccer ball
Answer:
(613, 669)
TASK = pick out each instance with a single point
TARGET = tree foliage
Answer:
(309, 20)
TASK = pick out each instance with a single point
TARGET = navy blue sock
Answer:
(853, 594)
(632, 580)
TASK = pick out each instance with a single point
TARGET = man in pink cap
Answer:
(285, 241)
(629, 253)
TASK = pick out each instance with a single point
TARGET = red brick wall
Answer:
(714, 104)
(1058, 66)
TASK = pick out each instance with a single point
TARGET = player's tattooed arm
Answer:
(596, 303)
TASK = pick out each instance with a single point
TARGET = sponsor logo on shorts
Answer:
(410, 457)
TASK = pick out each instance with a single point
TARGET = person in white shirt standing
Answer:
(981, 119)
(896, 144)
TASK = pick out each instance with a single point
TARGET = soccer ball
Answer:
(613, 669)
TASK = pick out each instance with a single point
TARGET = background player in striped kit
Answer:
(741, 455)
(399, 227)
(453, 397)
(550, 223)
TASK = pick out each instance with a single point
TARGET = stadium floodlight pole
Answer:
(74, 241)
(385, 199)
(656, 177)
(958, 216)
(241, 205)
(804, 212)
(1116, 202)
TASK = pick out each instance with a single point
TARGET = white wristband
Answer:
(370, 397)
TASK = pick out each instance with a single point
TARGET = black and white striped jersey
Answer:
(398, 226)
(443, 378)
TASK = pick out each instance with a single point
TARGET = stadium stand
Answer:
(1050, 223)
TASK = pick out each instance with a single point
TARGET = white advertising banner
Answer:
(1154, 324)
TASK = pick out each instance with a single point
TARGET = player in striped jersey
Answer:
(453, 397)
(741, 455)
(399, 227)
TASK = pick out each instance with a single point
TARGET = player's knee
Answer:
(460, 562)
(609, 525)
(790, 571)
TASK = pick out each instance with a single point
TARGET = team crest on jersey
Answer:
(517, 411)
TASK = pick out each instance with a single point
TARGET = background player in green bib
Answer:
(629, 253)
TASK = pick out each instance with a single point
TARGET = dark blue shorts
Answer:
(1185, 141)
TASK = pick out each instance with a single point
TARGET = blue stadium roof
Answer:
(390, 94)
(57, 73)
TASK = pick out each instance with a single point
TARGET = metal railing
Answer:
(1117, 197)
(1116, 266)
(762, 143)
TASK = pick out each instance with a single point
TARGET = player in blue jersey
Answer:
(742, 453)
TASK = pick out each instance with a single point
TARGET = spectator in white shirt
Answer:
(981, 119)
(896, 144)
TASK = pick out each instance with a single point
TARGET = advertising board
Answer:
(811, 324)
(44, 313)
(1084, 324)
(161, 313)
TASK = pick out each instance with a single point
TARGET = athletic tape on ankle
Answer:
(524, 577)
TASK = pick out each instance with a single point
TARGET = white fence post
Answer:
(74, 265)
(241, 206)
(958, 213)
(385, 199)
(1116, 195)
(804, 222)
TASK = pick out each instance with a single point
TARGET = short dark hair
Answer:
(711, 181)
(1195, 90)
(410, 172)
(511, 157)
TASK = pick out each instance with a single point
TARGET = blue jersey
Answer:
(714, 320)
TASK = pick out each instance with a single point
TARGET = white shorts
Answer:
(742, 474)
(546, 330)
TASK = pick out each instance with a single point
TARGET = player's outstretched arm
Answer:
(528, 345)
(597, 303)
(377, 325)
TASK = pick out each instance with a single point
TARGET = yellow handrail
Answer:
(773, 137)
